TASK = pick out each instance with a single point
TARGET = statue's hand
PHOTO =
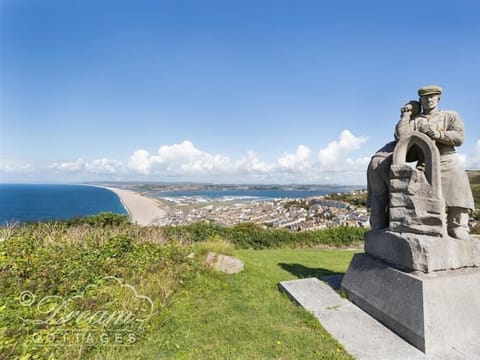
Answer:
(410, 109)
(433, 134)
(407, 108)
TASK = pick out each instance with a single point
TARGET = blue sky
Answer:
(224, 91)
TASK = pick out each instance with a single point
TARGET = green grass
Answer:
(244, 316)
(198, 313)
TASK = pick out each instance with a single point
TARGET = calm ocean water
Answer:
(32, 202)
(249, 194)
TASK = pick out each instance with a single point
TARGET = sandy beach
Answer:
(142, 210)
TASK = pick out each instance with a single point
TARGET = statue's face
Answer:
(429, 102)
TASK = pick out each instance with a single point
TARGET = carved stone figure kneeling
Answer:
(446, 130)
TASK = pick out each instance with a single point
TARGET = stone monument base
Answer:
(422, 252)
(434, 312)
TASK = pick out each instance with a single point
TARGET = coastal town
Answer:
(151, 204)
(299, 215)
(312, 213)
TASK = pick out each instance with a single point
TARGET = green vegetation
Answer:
(299, 203)
(353, 199)
(63, 283)
(251, 236)
(244, 316)
(46, 278)
(474, 177)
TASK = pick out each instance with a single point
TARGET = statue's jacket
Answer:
(455, 185)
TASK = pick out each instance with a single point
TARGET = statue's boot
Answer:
(457, 223)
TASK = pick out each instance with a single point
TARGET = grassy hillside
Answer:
(102, 288)
(244, 316)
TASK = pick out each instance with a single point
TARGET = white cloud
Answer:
(105, 166)
(332, 156)
(178, 159)
(14, 166)
(463, 159)
(297, 161)
(72, 166)
(98, 166)
(251, 163)
(474, 161)
(184, 151)
(140, 162)
(361, 162)
(184, 161)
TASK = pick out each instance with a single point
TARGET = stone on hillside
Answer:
(224, 263)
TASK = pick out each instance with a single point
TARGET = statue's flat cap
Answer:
(430, 90)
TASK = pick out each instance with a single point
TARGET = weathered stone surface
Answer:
(417, 222)
(429, 205)
(422, 252)
(420, 229)
(362, 336)
(435, 312)
(400, 171)
(399, 185)
(224, 263)
(400, 200)
(415, 217)
(434, 307)
(416, 205)
(421, 190)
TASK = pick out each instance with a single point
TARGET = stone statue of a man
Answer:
(446, 129)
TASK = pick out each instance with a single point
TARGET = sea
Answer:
(238, 195)
(20, 203)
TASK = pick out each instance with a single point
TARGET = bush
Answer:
(63, 271)
(252, 236)
(101, 220)
(216, 244)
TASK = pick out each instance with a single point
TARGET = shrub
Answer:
(101, 220)
(253, 236)
(62, 270)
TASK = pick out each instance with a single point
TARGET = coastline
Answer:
(141, 209)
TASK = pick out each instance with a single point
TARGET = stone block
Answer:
(418, 177)
(420, 190)
(418, 215)
(401, 213)
(399, 185)
(360, 334)
(400, 171)
(419, 219)
(420, 229)
(401, 200)
(410, 216)
(429, 205)
(421, 252)
(436, 312)
(426, 204)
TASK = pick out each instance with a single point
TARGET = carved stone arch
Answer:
(430, 155)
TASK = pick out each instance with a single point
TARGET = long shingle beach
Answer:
(142, 210)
